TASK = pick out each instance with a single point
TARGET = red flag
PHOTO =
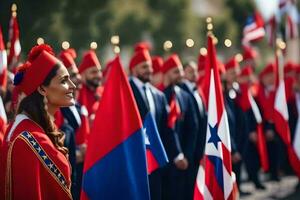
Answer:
(14, 39)
(3, 63)
(115, 162)
(281, 117)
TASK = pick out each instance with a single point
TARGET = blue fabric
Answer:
(116, 176)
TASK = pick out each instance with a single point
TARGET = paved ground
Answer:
(284, 190)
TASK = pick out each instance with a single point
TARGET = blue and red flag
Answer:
(115, 163)
(155, 151)
(214, 179)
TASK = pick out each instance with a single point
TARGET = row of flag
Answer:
(257, 28)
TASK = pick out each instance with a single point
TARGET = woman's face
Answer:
(60, 91)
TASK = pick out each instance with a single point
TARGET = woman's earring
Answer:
(45, 100)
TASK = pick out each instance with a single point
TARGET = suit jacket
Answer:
(161, 111)
(186, 126)
(237, 124)
(202, 123)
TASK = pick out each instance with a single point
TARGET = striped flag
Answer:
(254, 29)
(281, 116)
(214, 179)
(14, 39)
(292, 21)
(3, 63)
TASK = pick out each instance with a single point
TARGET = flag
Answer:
(271, 30)
(216, 178)
(254, 29)
(3, 63)
(155, 151)
(115, 162)
(281, 116)
(291, 25)
(14, 39)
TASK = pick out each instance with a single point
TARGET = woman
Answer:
(34, 163)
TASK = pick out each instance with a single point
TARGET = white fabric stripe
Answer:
(2, 111)
(200, 181)
(18, 120)
(223, 131)
(17, 47)
(228, 183)
(280, 101)
(254, 108)
(3, 61)
(207, 195)
(254, 34)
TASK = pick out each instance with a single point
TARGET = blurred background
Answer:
(156, 21)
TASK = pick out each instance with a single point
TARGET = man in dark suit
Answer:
(189, 85)
(182, 120)
(236, 118)
(149, 99)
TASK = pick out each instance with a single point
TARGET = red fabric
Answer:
(215, 64)
(211, 181)
(139, 57)
(157, 63)
(270, 68)
(83, 131)
(67, 57)
(90, 98)
(116, 95)
(41, 62)
(89, 60)
(151, 161)
(30, 178)
(243, 99)
(262, 148)
(172, 62)
(161, 87)
(227, 158)
(289, 67)
(231, 63)
(266, 103)
(246, 71)
(59, 119)
(174, 112)
(289, 90)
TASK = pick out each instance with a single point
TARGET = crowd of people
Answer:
(51, 102)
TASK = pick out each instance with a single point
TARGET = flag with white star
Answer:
(214, 179)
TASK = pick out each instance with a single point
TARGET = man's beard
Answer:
(94, 83)
(144, 79)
